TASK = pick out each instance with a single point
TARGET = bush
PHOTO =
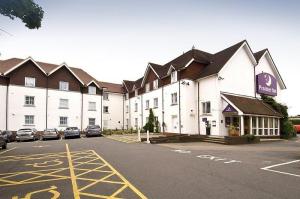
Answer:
(149, 126)
(118, 132)
(295, 121)
(249, 137)
(289, 129)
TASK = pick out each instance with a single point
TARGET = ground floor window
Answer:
(63, 121)
(265, 126)
(136, 122)
(92, 121)
(29, 119)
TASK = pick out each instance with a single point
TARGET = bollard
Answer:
(148, 140)
(139, 135)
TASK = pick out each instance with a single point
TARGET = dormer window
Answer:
(29, 82)
(136, 92)
(147, 87)
(155, 84)
(127, 96)
(174, 76)
(92, 90)
(63, 86)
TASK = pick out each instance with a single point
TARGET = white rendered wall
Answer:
(17, 110)
(73, 112)
(115, 106)
(238, 74)
(3, 107)
(91, 113)
(134, 114)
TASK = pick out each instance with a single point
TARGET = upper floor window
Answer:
(63, 86)
(105, 96)
(174, 98)
(155, 102)
(147, 87)
(174, 76)
(92, 106)
(206, 107)
(136, 92)
(155, 84)
(147, 104)
(92, 90)
(105, 109)
(29, 100)
(29, 119)
(127, 108)
(29, 81)
(127, 96)
(92, 121)
(64, 103)
(136, 107)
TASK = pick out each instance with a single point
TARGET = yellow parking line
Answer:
(72, 173)
(8, 150)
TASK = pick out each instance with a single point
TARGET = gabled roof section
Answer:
(258, 55)
(112, 87)
(150, 67)
(73, 71)
(12, 64)
(128, 85)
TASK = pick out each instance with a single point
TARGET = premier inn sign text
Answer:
(266, 84)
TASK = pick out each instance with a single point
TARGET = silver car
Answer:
(72, 132)
(93, 130)
(27, 134)
(50, 134)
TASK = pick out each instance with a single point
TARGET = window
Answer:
(155, 119)
(147, 104)
(92, 121)
(227, 121)
(29, 100)
(276, 126)
(63, 86)
(136, 122)
(155, 102)
(29, 81)
(206, 107)
(29, 119)
(147, 87)
(174, 76)
(92, 90)
(155, 84)
(266, 126)
(174, 98)
(92, 106)
(260, 125)
(136, 107)
(254, 125)
(63, 103)
(147, 119)
(271, 126)
(136, 92)
(105, 96)
(127, 108)
(105, 109)
(127, 96)
(63, 121)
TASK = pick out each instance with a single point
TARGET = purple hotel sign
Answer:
(266, 84)
(229, 109)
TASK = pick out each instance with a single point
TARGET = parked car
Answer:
(8, 136)
(72, 132)
(27, 134)
(3, 143)
(297, 128)
(93, 130)
(50, 134)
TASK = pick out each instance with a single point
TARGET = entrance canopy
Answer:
(247, 106)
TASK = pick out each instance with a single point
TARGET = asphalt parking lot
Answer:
(100, 167)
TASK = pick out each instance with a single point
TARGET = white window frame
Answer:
(94, 121)
(63, 121)
(29, 101)
(155, 102)
(29, 81)
(136, 107)
(147, 104)
(64, 103)
(136, 92)
(174, 76)
(205, 109)
(174, 100)
(147, 87)
(92, 106)
(29, 120)
(105, 109)
(105, 96)
(155, 84)
(127, 96)
(63, 86)
(92, 90)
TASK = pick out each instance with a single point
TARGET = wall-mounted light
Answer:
(220, 78)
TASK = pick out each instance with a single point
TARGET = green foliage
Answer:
(286, 127)
(118, 132)
(157, 127)
(149, 126)
(29, 12)
(295, 121)
(250, 138)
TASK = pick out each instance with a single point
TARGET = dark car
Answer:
(9, 136)
(3, 143)
(27, 134)
(72, 132)
(93, 130)
(50, 134)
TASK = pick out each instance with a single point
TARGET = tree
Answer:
(149, 126)
(286, 127)
(29, 12)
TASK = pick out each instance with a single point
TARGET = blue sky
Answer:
(114, 40)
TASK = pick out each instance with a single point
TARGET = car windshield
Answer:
(94, 127)
(50, 130)
(71, 128)
(24, 130)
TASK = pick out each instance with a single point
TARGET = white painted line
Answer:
(268, 168)
(8, 150)
(181, 151)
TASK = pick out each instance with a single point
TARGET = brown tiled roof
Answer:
(159, 69)
(7, 64)
(259, 54)
(252, 106)
(112, 87)
(128, 84)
